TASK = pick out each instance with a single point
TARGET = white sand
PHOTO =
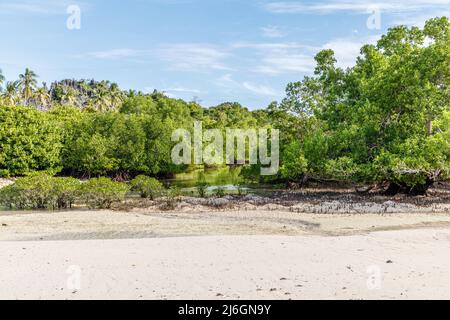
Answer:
(232, 267)
(223, 255)
(105, 224)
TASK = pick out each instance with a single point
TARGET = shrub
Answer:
(220, 192)
(30, 140)
(32, 192)
(240, 189)
(66, 191)
(101, 193)
(202, 188)
(171, 198)
(147, 187)
(11, 197)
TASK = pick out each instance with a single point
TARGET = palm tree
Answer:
(10, 96)
(42, 97)
(27, 84)
(2, 78)
(102, 99)
(116, 96)
(69, 96)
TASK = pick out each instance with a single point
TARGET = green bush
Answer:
(66, 192)
(30, 141)
(171, 196)
(12, 198)
(220, 192)
(202, 188)
(101, 193)
(32, 192)
(111, 142)
(147, 187)
(42, 191)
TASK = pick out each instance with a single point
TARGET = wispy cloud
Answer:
(193, 57)
(175, 91)
(232, 87)
(278, 58)
(272, 32)
(346, 50)
(275, 58)
(182, 90)
(37, 7)
(419, 18)
(285, 62)
(115, 54)
(180, 57)
(261, 89)
(354, 6)
(270, 45)
(225, 81)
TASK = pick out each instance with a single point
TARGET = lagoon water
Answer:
(226, 178)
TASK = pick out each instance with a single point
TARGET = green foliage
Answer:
(101, 193)
(66, 191)
(385, 119)
(147, 187)
(219, 192)
(12, 197)
(202, 188)
(251, 173)
(140, 142)
(42, 191)
(294, 163)
(240, 190)
(172, 194)
(30, 141)
(36, 191)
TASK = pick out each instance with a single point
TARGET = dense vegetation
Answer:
(42, 191)
(387, 119)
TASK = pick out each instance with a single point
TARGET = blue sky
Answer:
(214, 50)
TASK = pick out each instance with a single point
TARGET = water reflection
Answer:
(226, 178)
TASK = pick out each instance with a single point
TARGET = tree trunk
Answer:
(430, 127)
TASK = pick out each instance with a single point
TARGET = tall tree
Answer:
(116, 96)
(380, 120)
(102, 97)
(2, 78)
(27, 84)
(69, 96)
(10, 96)
(42, 98)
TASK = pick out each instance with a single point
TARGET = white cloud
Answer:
(285, 62)
(272, 32)
(180, 57)
(182, 90)
(354, 6)
(37, 7)
(227, 83)
(347, 50)
(271, 46)
(226, 78)
(418, 18)
(260, 89)
(232, 87)
(290, 57)
(22, 7)
(114, 54)
(193, 57)
(280, 58)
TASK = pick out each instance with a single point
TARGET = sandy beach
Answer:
(223, 255)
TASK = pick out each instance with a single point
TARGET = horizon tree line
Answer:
(85, 94)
